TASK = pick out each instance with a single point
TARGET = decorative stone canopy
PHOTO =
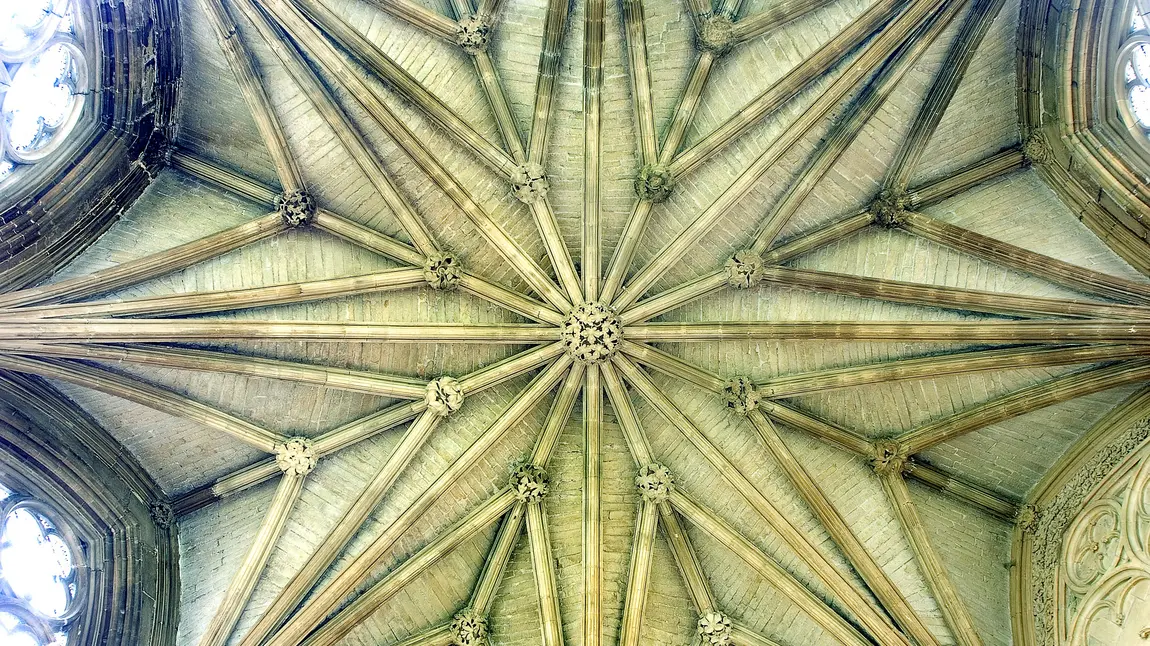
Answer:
(297, 208)
(473, 34)
(714, 629)
(296, 456)
(744, 269)
(654, 482)
(530, 483)
(591, 333)
(741, 395)
(444, 396)
(442, 271)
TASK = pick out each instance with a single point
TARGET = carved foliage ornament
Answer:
(654, 183)
(591, 333)
(1027, 518)
(469, 628)
(1036, 150)
(889, 457)
(744, 269)
(529, 183)
(444, 396)
(1104, 569)
(889, 209)
(296, 208)
(716, 34)
(529, 483)
(654, 482)
(473, 34)
(296, 456)
(441, 271)
(714, 629)
(162, 514)
(741, 395)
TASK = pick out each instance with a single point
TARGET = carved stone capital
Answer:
(1036, 149)
(529, 183)
(654, 482)
(591, 333)
(444, 396)
(468, 628)
(162, 515)
(529, 483)
(1027, 519)
(744, 269)
(296, 456)
(889, 209)
(714, 629)
(654, 183)
(741, 395)
(716, 34)
(888, 457)
(441, 271)
(473, 33)
(297, 208)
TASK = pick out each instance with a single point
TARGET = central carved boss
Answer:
(591, 333)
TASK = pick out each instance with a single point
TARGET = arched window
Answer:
(43, 79)
(40, 576)
(1131, 71)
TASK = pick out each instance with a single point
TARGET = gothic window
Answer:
(43, 79)
(1104, 574)
(1133, 70)
(40, 582)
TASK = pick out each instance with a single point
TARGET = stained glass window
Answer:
(39, 586)
(43, 79)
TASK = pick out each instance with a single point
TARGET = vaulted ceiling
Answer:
(837, 326)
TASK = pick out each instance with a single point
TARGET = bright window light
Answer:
(43, 80)
(38, 587)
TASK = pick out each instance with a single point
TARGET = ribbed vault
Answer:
(596, 323)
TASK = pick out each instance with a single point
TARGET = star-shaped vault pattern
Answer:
(596, 325)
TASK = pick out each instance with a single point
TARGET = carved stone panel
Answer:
(1103, 577)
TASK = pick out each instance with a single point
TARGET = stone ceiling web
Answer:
(591, 333)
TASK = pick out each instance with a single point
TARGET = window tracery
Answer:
(40, 577)
(1104, 575)
(1132, 70)
(43, 79)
